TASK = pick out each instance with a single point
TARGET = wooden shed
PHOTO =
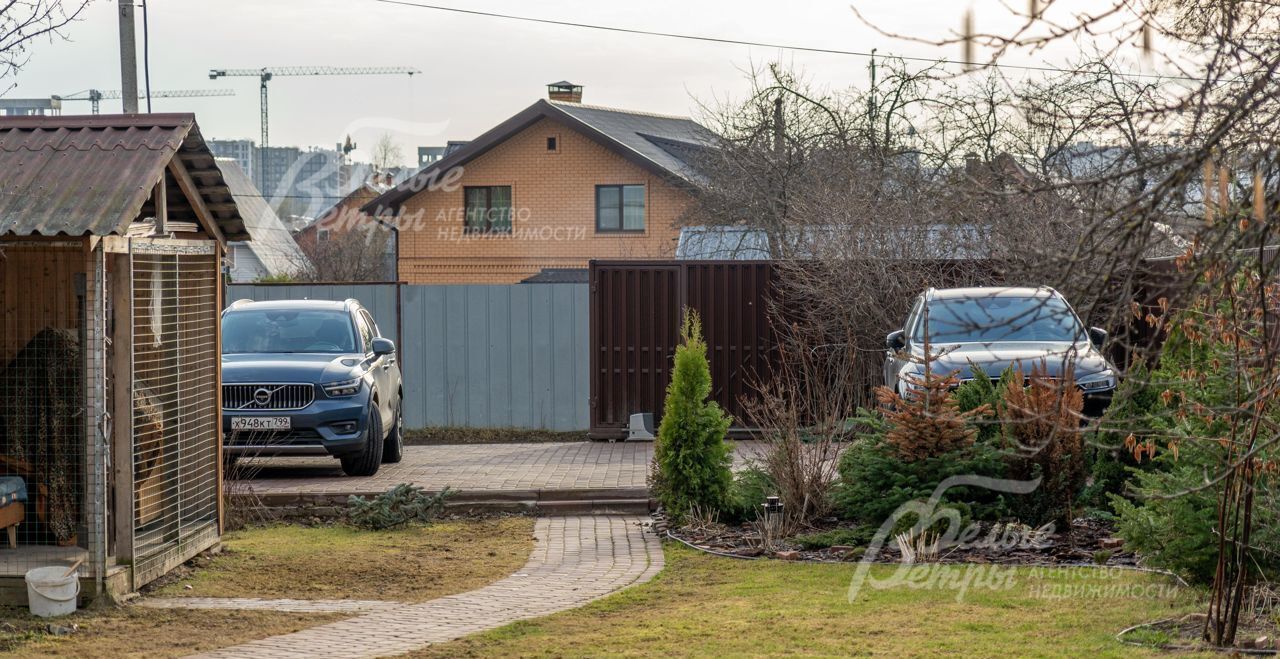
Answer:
(112, 233)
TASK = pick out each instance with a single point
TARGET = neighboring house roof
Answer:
(662, 144)
(91, 175)
(559, 276)
(368, 189)
(930, 241)
(271, 241)
(723, 243)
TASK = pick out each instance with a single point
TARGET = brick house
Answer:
(551, 188)
(342, 216)
(320, 238)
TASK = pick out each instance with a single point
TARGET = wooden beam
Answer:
(121, 282)
(195, 156)
(160, 201)
(192, 193)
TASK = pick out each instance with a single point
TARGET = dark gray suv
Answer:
(995, 328)
(310, 377)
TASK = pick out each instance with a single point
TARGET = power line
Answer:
(763, 44)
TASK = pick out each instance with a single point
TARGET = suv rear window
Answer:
(287, 330)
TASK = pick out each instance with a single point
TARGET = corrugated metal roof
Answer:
(271, 241)
(91, 175)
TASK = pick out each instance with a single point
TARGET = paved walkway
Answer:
(577, 559)
(473, 468)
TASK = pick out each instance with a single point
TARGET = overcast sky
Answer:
(476, 70)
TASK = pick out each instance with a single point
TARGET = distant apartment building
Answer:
(30, 107)
(241, 151)
(295, 181)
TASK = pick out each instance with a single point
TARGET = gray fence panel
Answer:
(496, 356)
(476, 356)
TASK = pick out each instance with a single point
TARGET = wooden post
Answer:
(159, 195)
(218, 253)
(121, 278)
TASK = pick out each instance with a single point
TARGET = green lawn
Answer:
(707, 606)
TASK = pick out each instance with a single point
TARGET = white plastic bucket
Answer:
(51, 594)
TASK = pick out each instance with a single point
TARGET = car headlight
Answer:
(343, 388)
(1101, 381)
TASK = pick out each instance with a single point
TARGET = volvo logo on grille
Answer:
(262, 396)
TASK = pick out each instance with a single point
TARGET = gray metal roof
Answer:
(667, 141)
(928, 241)
(662, 144)
(90, 175)
(559, 276)
(723, 244)
(271, 241)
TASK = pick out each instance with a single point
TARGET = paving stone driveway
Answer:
(476, 468)
(577, 559)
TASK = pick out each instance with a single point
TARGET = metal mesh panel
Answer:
(175, 410)
(51, 394)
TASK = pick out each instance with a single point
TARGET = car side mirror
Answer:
(383, 346)
(1097, 336)
(896, 341)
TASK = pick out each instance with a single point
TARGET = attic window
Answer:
(553, 144)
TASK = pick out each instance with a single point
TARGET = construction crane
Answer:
(96, 97)
(265, 74)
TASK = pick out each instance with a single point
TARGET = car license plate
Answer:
(252, 423)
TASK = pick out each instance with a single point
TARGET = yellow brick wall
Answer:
(553, 213)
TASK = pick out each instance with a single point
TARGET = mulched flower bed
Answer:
(1087, 542)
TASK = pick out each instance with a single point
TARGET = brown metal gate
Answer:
(635, 327)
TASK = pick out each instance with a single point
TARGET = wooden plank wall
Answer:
(37, 290)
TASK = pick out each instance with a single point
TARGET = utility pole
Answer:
(128, 59)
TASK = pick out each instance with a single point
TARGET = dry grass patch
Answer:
(412, 564)
(148, 633)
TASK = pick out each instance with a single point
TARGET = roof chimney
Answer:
(565, 92)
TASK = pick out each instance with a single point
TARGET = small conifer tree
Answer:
(692, 459)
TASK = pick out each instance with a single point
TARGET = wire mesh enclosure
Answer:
(175, 407)
(51, 484)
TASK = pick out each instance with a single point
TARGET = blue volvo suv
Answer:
(310, 377)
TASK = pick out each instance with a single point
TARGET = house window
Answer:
(488, 209)
(552, 144)
(322, 235)
(619, 208)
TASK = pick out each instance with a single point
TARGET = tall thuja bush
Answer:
(692, 458)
